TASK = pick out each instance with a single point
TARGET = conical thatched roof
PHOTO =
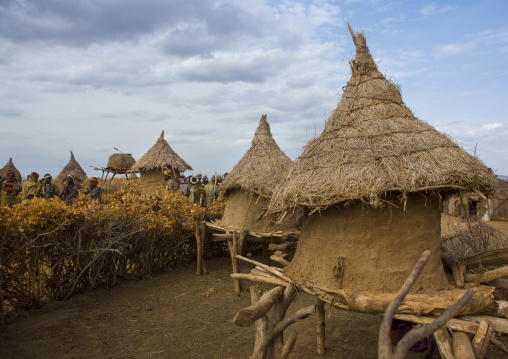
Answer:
(261, 168)
(72, 168)
(159, 156)
(122, 161)
(372, 143)
(10, 167)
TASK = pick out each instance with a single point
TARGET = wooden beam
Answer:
(247, 316)
(444, 343)
(321, 325)
(482, 338)
(462, 348)
(495, 257)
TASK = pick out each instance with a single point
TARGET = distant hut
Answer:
(72, 168)
(120, 162)
(10, 167)
(152, 164)
(248, 187)
(371, 185)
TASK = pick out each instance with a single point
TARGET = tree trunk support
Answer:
(321, 325)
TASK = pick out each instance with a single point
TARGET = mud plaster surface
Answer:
(241, 210)
(377, 246)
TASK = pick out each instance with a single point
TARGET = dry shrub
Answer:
(49, 250)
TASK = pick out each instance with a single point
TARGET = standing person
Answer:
(9, 189)
(95, 190)
(172, 185)
(31, 188)
(185, 187)
(195, 192)
(49, 189)
(210, 191)
(70, 190)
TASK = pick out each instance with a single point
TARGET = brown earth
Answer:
(175, 315)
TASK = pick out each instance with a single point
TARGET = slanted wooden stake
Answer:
(321, 336)
(202, 234)
(444, 343)
(235, 262)
(200, 246)
(482, 338)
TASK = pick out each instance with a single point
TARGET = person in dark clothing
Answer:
(95, 190)
(49, 189)
(70, 191)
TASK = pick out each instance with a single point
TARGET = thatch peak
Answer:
(10, 167)
(373, 144)
(74, 169)
(160, 155)
(261, 168)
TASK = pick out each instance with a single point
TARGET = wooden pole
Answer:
(202, 234)
(321, 335)
(249, 315)
(198, 247)
(462, 348)
(235, 263)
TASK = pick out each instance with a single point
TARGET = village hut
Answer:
(248, 187)
(120, 162)
(151, 166)
(74, 169)
(10, 167)
(371, 186)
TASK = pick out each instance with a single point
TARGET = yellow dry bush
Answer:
(50, 250)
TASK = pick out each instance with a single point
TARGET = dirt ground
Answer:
(177, 314)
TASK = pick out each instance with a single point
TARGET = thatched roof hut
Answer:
(72, 168)
(152, 163)
(248, 187)
(10, 167)
(374, 174)
(121, 161)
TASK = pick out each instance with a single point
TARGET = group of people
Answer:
(45, 188)
(198, 189)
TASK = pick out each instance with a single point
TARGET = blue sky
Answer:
(93, 75)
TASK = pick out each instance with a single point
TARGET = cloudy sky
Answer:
(95, 75)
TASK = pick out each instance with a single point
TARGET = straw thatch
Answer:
(371, 144)
(261, 168)
(10, 167)
(121, 161)
(159, 156)
(72, 168)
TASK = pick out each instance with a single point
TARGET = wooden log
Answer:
(488, 276)
(455, 324)
(495, 257)
(263, 273)
(223, 236)
(279, 247)
(500, 324)
(444, 343)
(261, 325)
(499, 283)
(500, 345)
(452, 263)
(247, 316)
(502, 308)
(277, 314)
(240, 242)
(462, 348)
(482, 338)
(321, 325)
(280, 254)
(280, 260)
(202, 234)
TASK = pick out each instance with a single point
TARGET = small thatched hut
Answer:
(371, 185)
(248, 187)
(10, 167)
(72, 168)
(152, 164)
(120, 162)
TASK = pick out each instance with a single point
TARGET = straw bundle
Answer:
(74, 169)
(159, 156)
(261, 168)
(10, 167)
(121, 161)
(372, 144)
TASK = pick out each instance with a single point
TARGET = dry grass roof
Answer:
(159, 156)
(74, 169)
(10, 167)
(121, 161)
(261, 168)
(372, 143)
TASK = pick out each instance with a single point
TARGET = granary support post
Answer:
(200, 246)
(233, 247)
